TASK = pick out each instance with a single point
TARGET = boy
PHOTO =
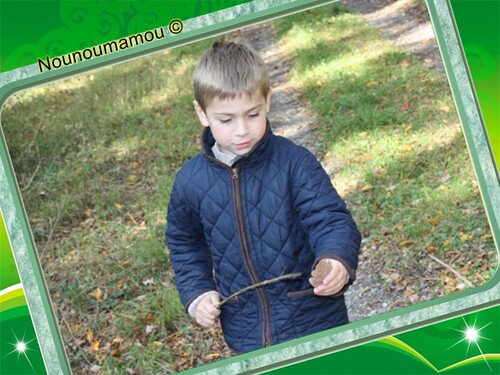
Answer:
(253, 206)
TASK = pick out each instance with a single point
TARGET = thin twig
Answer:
(33, 138)
(73, 338)
(288, 276)
(31, 178)
(49, 239)
(452, 270)
(132, 218)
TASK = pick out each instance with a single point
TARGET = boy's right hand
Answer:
(206, 312)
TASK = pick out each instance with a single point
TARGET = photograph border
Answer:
(356, 333)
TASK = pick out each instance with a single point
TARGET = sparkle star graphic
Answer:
(21, 348)
(472, 335)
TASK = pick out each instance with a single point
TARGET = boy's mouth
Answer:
(243, 145)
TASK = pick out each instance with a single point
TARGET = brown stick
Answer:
(288, 276)
(452, 270)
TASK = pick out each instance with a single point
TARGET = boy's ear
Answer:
(268, 101)
(201, 114)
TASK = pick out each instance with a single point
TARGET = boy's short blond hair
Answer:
(227, 70)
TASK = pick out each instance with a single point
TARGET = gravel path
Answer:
(405, 22)
(288, 115)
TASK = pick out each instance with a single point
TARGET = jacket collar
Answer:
(254, 156)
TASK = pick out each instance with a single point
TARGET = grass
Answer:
(95, 157)
(392, 139)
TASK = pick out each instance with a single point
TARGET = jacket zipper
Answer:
(266, 324)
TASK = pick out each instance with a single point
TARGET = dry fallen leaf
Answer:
(405, 106)
(90, 335)
(434, 222)
(322, 269)
(213, 355)
(367, 187)
(95, 346)
(97, 294)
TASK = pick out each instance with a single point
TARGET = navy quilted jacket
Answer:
(273, 212)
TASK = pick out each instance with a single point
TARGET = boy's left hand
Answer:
(334, 281)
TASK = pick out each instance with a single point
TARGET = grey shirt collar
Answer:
(226, 157)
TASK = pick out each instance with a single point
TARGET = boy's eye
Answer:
(254, 114)
(225, 120)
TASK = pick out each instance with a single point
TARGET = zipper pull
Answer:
(235, 173)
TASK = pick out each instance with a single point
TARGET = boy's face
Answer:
(236, 124)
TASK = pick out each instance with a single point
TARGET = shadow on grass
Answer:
(308, 20)
(103, 107)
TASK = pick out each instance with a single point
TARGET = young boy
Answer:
(253, 206)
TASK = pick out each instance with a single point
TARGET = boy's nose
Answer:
(241, 128)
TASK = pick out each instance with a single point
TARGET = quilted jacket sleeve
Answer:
(189, 253)
(323, 214)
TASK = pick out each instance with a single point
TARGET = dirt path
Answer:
(288, 116)
(405, 22)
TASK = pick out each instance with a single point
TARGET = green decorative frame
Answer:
(321, 344)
